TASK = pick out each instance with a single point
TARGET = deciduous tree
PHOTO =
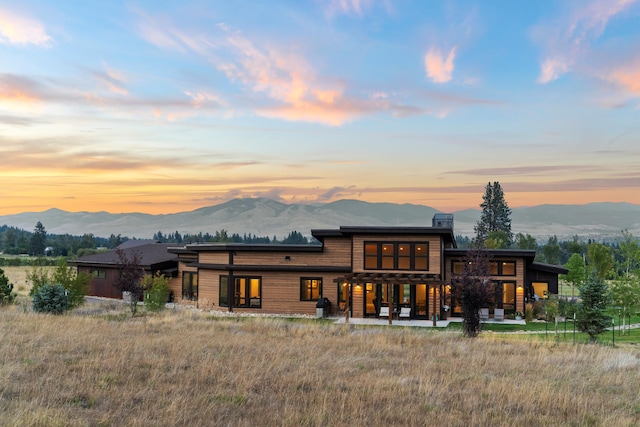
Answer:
(130, 279)
(471, 289)
(599, 259)
(577, 273)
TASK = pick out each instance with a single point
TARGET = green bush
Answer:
(51, 299)
(6, 290)
(157, 291)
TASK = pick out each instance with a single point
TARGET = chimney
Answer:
(442, 220)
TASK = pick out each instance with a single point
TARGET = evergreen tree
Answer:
(6, 289)
(38, 240)
(495, 214)
(595, 298)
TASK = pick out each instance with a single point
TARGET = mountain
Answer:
(266, 217)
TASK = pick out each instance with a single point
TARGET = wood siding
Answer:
(103, 287)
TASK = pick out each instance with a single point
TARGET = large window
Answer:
(502, 268)
(396, 256)
(247, 291)
(190, 286)
(310, 288)
(496, 268)
(541, 290)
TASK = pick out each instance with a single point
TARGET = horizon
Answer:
(143, 107)
(478, 208)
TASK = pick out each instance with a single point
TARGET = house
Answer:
(104, 267)
(359, 268)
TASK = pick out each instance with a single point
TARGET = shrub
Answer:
(51, 299)
(528, 312)
(6, 290)
(157, 291)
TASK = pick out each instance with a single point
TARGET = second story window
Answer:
(396, 256)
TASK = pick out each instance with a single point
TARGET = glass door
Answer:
(422, 302)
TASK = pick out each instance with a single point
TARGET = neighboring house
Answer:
(362, 268)
(104, 267)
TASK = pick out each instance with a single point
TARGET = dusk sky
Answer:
(168, 106)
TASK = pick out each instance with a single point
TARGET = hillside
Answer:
(266, 217)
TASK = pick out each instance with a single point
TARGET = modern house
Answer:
(359, 268)
(104, 267)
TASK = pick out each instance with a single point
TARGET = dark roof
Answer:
(549, 268)
(348, 231)
(495, 253)
(151, 253)
(135, 243)
(242, 247)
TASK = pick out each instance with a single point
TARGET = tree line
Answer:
(16, 241)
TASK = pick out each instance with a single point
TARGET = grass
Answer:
(18, 276)
(97, 366)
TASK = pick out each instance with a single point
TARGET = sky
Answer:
(168, 106)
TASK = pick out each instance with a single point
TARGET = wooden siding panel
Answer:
(212, 257)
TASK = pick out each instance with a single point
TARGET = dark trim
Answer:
(247, 247)
(291, 268)
(549, 268)
(495, 253)
(349, 231)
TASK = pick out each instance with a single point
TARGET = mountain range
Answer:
(266, 217)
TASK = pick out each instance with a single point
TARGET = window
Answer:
(396, 256)
(247, 291)
(502, 268)
(310, 289)
(190, 286)
(98, 273)
(541, 289)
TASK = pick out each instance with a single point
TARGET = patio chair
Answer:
(405, 312)
(498, 314)
(384, 312)
(484, 314)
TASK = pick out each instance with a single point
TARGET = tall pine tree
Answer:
(496, 215)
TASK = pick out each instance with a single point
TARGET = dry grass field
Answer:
(98, 366)
(18, 276)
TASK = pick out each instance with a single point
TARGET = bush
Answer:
(6, 290)
(51, 299)
(157, 291)
(528, 312)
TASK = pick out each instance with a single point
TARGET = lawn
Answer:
(99, 366)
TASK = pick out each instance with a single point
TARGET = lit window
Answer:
(310, 289)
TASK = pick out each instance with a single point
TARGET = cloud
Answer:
(626, 76)
(439, 68)
(346, 7)
(567, 41)
(22, 30)
(112, 79)
(534, 170)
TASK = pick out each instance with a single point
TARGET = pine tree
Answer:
(495, 217)
(595, 298)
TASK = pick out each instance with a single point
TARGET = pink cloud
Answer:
(567, 41)
(19, 29)
(439, 68)
(627, 77)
